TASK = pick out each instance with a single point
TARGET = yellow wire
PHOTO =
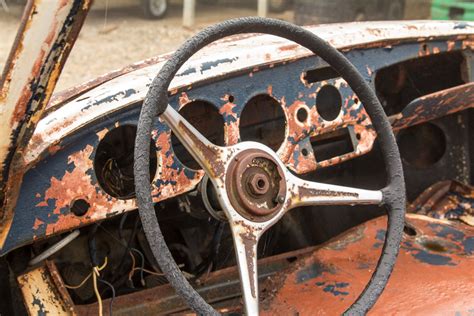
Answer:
(95, 273)
(130, 274)
(103, 265)
(73, 287)
(147, 271)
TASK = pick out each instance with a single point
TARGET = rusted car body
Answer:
(67, 166)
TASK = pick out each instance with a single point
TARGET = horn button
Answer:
(255, 185)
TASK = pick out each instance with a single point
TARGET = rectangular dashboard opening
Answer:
(334, 144)
(320, 74)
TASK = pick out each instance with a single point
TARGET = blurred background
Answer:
(119, 32)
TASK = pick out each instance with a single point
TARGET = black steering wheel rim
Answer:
(156, 102)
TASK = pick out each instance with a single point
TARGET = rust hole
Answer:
(409, 231)
(429, 142)
(262, 120)
(205, 117)
(328, 102)
(80, 207)
(304, 152)
(302, 115)
(433, 246)
(113, 162)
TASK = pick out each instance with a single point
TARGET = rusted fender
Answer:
(433, 274)
(47, 33)
(435, 105)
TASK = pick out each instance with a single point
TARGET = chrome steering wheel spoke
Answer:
(207, 155)
(245, 242)
(304, 193)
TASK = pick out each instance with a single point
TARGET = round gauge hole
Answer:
(422, 146)
(206, 119)
(328, 102)
(302, 115)
(262, 120)
(80, 207)
(113, 162)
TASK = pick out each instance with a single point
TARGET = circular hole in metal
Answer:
(409, 231)
(422, 146)
(206, 119)
(261, 183)
(113, 162)
(328, 102)
(304, 152)
(302, 115)
(80, 207)
(263, 120)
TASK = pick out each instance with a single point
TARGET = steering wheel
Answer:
(253, 186)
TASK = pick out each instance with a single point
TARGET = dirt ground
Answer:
(115, 34)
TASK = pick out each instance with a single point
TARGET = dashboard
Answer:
(298, 107)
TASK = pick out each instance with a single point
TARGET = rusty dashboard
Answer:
(280, 96)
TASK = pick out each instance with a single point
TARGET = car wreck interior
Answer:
(80, 194)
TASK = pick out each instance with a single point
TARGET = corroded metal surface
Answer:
(446, 200)
(429, 269)
(60, 157)
(44, 292)
(435, 105)
(211, 63)
(46, 36)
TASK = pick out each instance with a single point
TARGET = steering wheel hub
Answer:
(255, 185)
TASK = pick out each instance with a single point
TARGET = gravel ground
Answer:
(115, 35)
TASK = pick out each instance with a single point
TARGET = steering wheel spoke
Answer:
(209, 156)
(304, 193)
(245, 243)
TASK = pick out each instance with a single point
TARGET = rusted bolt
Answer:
(258, 184)
(280, 199)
